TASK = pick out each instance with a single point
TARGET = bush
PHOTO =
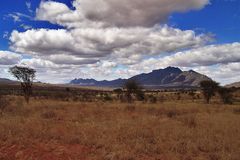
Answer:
(67, 89)
(107, 97)
(118, 91)
(225, 95)
(192, 94)
(209, 88)
(140, 95)
(152, 99)
(133, 88)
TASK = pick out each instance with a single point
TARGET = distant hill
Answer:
(236, 84)
(5, 80)
(168, 77)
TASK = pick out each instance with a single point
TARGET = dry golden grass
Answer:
(48, 129)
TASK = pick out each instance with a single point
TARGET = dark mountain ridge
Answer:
(5, 80)
(168, 77)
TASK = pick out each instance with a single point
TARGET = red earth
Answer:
(44, 151)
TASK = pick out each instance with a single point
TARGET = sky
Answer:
(109, 39)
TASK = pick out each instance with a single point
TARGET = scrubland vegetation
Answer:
(102, 125)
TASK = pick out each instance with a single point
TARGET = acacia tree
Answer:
(26, 76)
(133, 88)
(209, 88)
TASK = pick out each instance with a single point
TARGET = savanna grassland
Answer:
(171, 126)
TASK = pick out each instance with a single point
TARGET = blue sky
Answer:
(221, 18)
(212, 25)
(8, 24)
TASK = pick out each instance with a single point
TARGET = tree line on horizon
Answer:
(131, 88)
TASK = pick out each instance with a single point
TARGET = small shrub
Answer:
(179, 97)
(75, 98)
(152, 99)
(118, 91)
(107, 97)
(192, 94)
(140, 95)
(225, 95)
(198, 96)
(67, 89)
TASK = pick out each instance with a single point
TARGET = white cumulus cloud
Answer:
(206, 56)
(114, 13)
(9, 58)
(89, 45)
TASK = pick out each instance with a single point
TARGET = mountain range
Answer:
(5, 80)
(168, 77)
(236, 84)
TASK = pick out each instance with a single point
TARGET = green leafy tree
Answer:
(26, 76)
(209, 89)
